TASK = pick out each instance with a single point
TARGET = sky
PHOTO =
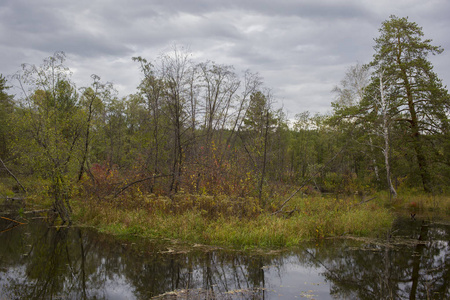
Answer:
(301, 48)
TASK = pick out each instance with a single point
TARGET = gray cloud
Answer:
(301, 48)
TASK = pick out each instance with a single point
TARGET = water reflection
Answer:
(414, 265)
(38, 261)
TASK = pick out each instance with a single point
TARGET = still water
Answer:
(38, 261)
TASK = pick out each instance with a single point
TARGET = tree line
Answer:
(204, 128)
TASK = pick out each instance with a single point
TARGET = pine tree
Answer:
(415, 92)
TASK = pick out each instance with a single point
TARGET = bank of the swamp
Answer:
(238, 222)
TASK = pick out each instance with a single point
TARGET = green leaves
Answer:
(6, 110)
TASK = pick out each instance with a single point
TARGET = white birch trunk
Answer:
(386, 138)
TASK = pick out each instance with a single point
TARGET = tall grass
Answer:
(215, 221)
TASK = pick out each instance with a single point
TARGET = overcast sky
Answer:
(302, 48)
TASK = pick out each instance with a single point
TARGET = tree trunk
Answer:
(263, 171)
(386, 139)
(415, 132)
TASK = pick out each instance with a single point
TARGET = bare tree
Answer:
(153, 90)
(220, 84)
(175, 70)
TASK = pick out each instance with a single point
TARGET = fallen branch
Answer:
(13, 220)
(308, 180)
(10, 173)
(8, 229)
(140, 180)
(291, 196)
(364, 201)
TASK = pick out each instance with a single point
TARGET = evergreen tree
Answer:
(414, 91)
(6, 109)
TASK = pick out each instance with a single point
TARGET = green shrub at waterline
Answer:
(216, 224)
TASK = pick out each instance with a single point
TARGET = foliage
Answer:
(399, 121)
(418, 101)
(50, 122)
(6, 111)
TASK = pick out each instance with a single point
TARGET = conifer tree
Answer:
(417, 97)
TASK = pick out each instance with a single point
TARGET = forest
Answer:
(203, 135)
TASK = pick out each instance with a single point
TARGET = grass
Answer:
(217, 224)
(241, 222)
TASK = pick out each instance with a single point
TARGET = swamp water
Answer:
(41, 262)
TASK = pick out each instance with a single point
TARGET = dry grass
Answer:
(220, 221)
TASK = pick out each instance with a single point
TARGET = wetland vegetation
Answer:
(38, 261)
(199, 152)
(198, 187)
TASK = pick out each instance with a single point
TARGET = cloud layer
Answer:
(301, 48)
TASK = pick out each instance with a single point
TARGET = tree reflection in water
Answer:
(414, 264)
(37, 261)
